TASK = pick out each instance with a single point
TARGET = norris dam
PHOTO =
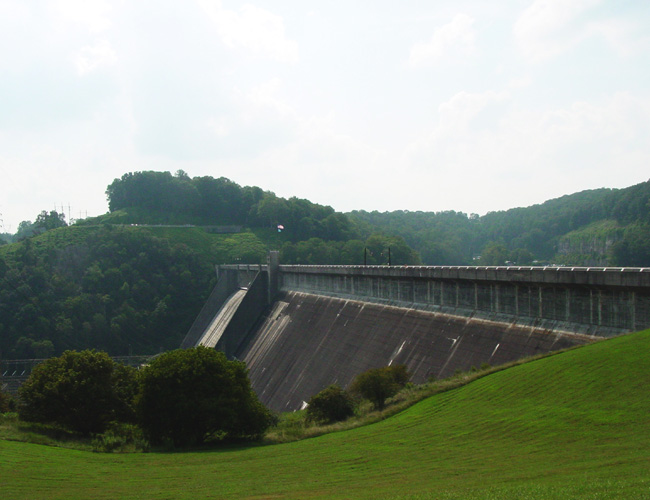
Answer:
(302, 328)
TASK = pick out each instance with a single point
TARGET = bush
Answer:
(330, 405)
(81, 391)
(122, 438)
(379, 384)
(6, 402)
(190, 395)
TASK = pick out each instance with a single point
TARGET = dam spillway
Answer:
(218, 325)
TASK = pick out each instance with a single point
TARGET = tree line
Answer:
(181, 398)
(525, 236)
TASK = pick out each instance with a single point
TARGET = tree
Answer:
(494, 254)
(6, 402)
(25, 230)
(45, 221)
(82, 391)
(379, 384)
(330, 405)
(190, 395)
(633, 249)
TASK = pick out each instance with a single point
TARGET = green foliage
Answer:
(330, 405)
(25, 230)
(634, 248)
(81, 391)
(46, 221)
(188, 396)
(494, 254)
(242, 248)
(379, 384)
(6, 402)
(121, 290)
(120, 437)
(377, 249)
(160, 198)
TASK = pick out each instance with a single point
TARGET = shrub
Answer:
(120, 437)
(190, 395)
(6, 402)
(81, 391)
(330, 405)
(379, 384)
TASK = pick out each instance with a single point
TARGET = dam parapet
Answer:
(593, 301)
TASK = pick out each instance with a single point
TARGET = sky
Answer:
(439, 105)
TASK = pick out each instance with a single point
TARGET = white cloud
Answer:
(458, 113)
(454, 38)
(265, 96)
(623, 36)
(548, 27)
(254, 29)
(93, 57)
(92, 16)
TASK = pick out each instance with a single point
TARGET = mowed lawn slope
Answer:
(573, 425)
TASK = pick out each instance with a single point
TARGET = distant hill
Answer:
(596, 227)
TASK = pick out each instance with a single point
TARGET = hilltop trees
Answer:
(205, 200)
(46, 221)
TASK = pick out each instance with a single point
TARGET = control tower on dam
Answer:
(302, 328)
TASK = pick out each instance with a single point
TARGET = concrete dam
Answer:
(302, 328)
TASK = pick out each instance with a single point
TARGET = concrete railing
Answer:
(595, 301)
(599, 301)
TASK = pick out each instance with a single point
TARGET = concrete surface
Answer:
(307, 342)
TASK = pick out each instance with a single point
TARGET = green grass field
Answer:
(573, 425)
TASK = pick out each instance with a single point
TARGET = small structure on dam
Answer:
(302, 328)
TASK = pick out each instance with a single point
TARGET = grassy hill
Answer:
(572, 425)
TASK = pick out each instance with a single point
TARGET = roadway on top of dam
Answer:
(560, 275)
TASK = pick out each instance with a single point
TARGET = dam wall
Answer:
(307, 342)
(302, 328)
(592, 301)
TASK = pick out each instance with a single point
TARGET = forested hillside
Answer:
(304, 232)
(120, 290)
(597, 227)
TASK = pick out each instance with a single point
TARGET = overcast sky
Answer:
(427, 105)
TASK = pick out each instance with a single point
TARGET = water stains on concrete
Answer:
(307, 342)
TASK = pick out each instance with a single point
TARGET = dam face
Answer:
(308, 342)
(302, 328)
